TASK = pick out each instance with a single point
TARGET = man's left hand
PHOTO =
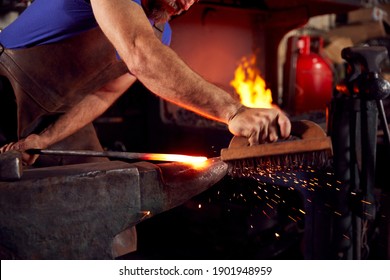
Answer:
(260, 125)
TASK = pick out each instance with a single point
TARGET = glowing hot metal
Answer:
(195, 160)
(175, 158)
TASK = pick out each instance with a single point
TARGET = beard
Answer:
(160, 11)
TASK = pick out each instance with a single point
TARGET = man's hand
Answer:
(32, 141)
(260, 125)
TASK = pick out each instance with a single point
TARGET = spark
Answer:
(273, 189)
(366, 202)
(367, 214)
(303, 212)
(337, 213)
(269, 206)
(145, 214)
(274, 201)
(346, 237)
(292, 218)
(265, 213)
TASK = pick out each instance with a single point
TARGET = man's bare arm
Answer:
(83, 113)
(157, 66)
(161, 70)
(87, 110)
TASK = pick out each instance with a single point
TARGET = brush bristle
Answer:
(300, 161)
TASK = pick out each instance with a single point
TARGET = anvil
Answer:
(75, 211)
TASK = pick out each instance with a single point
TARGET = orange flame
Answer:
(250, 86)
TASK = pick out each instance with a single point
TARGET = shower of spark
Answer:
(283, 196)
(271, 181)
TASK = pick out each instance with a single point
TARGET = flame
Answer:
(194, 160)
(250, 86)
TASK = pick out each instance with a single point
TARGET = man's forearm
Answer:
(158, 67)
(86, 111)
(162, 71)
(180, 85)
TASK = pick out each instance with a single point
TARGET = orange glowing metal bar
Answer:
(175, 158)
(195, 160)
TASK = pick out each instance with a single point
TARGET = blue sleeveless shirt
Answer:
(49, 21)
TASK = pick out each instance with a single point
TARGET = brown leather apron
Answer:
(49, 79)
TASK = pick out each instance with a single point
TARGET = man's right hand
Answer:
(32, 141)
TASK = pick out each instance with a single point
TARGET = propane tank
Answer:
(309, 76)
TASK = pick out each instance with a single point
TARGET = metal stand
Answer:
(355, 111)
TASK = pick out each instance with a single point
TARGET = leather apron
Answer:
(48, 80)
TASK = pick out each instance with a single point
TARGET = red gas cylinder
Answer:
(313, 77)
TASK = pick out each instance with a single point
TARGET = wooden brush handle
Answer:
(303, 129)
(309, 137)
